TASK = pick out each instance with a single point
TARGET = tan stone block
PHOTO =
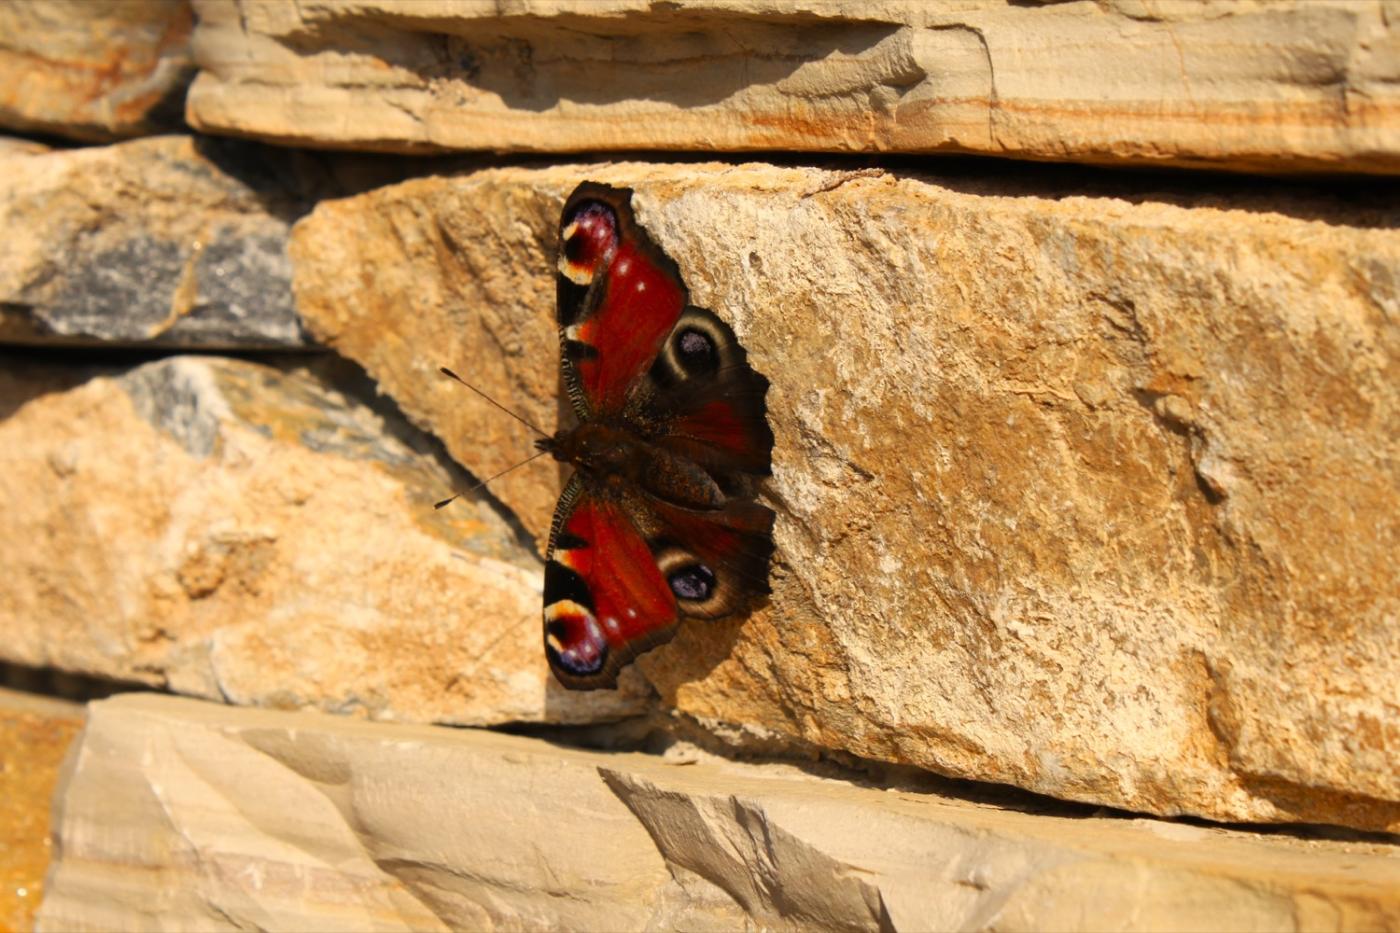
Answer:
(94, 70)
(186, 815)
(35, 733)
(1289, 86)
(1091, 496)
(239, 532)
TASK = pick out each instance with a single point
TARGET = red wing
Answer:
(605, 599)
(721, 434)
(705, 398)
(715, 424)
(618, 298)
(714, 561)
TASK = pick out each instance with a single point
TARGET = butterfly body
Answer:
(611, 461)
(659, 521)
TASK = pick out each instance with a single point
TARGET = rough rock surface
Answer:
(94, 69)
(1235, 84)
(16, 145)
(188, 815)
(1093, 496)
(170, 241)
(35, 733)
(235, 531)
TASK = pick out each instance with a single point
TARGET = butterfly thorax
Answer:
(614, 458)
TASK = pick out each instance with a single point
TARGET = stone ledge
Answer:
(191, 815)
(1236, 85)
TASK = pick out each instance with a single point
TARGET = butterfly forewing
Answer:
(619, 297)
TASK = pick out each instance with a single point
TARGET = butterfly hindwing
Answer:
(619, 574)
(704, 400)
(713, 561)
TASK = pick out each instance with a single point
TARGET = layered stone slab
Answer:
(35, 733)
(1287, 86)
(94, 70)
(262, 536)
(168, 241)
(182, 814)
(1093, 496)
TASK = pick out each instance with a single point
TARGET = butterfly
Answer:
(659, 520)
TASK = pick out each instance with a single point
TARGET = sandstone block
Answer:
(258, 535)
(1092, 496)
(35, 733)
(1289, 86)
(183, 815)
(169, 241)
(94, 70)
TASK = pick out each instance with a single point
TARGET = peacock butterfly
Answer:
(658, 521)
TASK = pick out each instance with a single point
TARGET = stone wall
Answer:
(1084, 607)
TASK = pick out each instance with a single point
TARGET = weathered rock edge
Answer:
(94, 71)
(1234, 85)
(195, 815)
(1092, 497)
(170, 241)
(261, 536)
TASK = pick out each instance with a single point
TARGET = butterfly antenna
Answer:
(450, 374)
(438, 505)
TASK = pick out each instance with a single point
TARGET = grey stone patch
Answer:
(351, 430)
(180, 397)
(163, 242)
(189, 398)
(131, 276)
(341, 436)
(241, 294)
(244, 293)
(330, 419)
